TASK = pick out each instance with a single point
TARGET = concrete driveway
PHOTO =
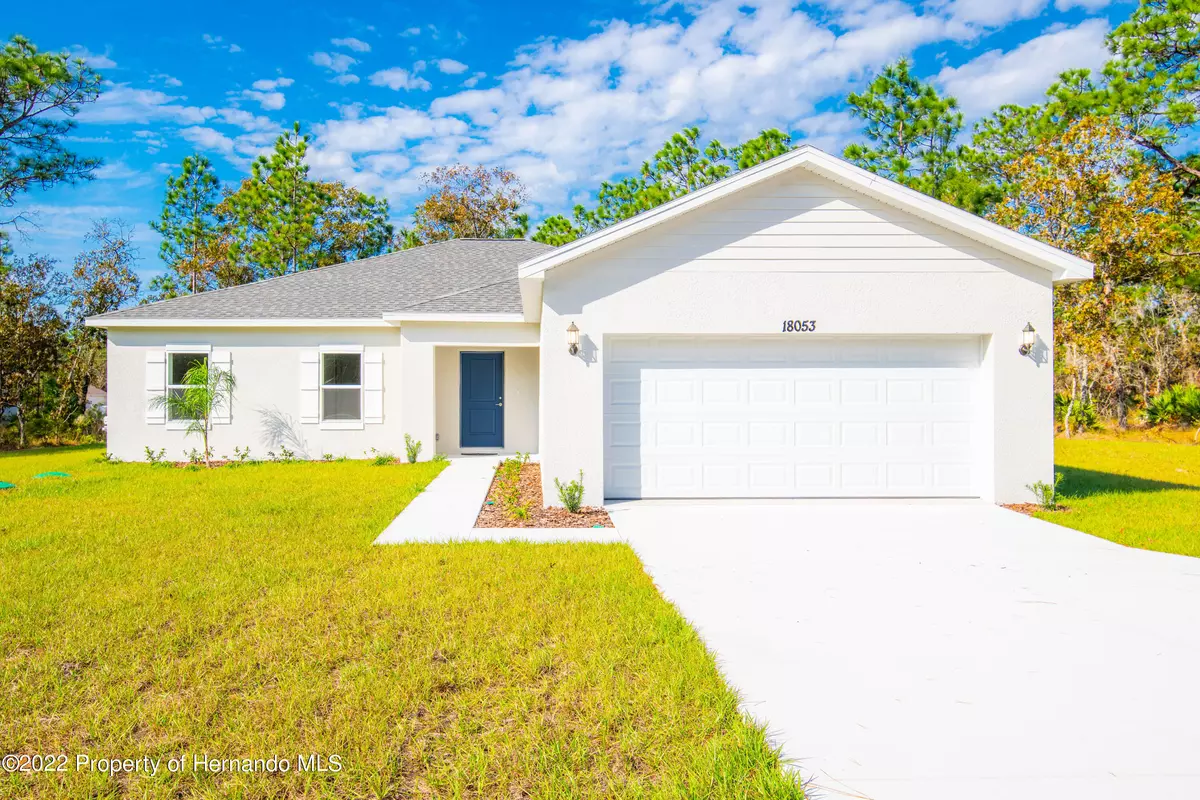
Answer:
(956, 651)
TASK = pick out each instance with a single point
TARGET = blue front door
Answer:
(482, 400)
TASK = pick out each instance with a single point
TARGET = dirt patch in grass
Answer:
(540, 516)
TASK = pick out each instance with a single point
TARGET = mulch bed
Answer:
(490, 516)
(1029, 508)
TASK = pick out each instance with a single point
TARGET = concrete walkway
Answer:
(447, 509)
(449, 504)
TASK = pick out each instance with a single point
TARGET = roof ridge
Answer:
(454, 293)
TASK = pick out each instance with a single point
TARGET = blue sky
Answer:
(565, 94)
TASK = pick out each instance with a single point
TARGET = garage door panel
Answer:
(782, 417)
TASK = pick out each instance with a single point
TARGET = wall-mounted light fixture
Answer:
(572, 339)
(1028, 339)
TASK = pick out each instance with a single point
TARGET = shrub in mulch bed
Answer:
(1030, 508)
(530, 485)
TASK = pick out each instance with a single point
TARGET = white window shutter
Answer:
(156, 386)
(222, 411)
(310, 386)
(373, 385)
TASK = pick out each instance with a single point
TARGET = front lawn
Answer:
(1138, 493)
(242, 613)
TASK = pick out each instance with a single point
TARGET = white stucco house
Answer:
(801, 329)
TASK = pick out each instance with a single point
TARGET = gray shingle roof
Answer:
(456, 276)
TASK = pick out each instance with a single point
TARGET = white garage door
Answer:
(792, 417)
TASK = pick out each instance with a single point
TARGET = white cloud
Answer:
(398, 78)
(357, 45)
(450, 67)
(269, 101)
(571, 112)
(245, 120)
(991, 13)
(410, 32)
(166, 79)
(344, 80)
(219, 43)
(208, 139)
(1022, 74)
(93, 60)
(270, 85)
(336, 62)
(120, 103)
(1087, 5)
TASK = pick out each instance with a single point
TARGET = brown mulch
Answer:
(490, 516)
(1029, 508)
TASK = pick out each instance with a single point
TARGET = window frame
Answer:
(204, 350)
(340, 424)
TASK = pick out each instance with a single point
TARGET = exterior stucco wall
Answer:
(266, 406)
(800, 249)
(520, 398)
(265, 414)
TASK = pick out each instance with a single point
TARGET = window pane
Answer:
(180, 363)
(340, 404)
(341, 369)
(173, 413)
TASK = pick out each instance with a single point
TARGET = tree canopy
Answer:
(40, 94)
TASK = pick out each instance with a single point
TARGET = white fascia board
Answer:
(1062, 265)
(155, 322)
(415, 316)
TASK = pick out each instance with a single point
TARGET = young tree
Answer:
(31, 332)
(352, 225)
(40, 94)
(102, 280)
(277, 209)
(189, 224)
(468, 202)
(912, 129)
(207, 388)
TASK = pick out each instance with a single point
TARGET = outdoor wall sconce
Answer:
(572, 339)
(1028, 338)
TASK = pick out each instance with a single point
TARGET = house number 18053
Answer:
(799, 325)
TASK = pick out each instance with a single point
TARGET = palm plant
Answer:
(206, 388)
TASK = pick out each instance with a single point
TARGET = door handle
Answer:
(499, 404)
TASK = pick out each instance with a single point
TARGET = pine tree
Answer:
(189, 224)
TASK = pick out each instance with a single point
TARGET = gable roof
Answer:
(1062, 265)
(459, 276)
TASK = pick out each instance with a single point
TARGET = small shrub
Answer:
(508, 487)
(1046, 494)
(1176, 405)
(412, 447)
(156, 458)
(439, 458)
(108, 458)
(195, 457)
(285, 455)
(241, 455)
(1084, 416)
(571, 494)
(327, 457)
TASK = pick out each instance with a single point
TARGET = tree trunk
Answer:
(20, 427)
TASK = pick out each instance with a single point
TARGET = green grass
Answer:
(243, 613)
(1138, 493)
